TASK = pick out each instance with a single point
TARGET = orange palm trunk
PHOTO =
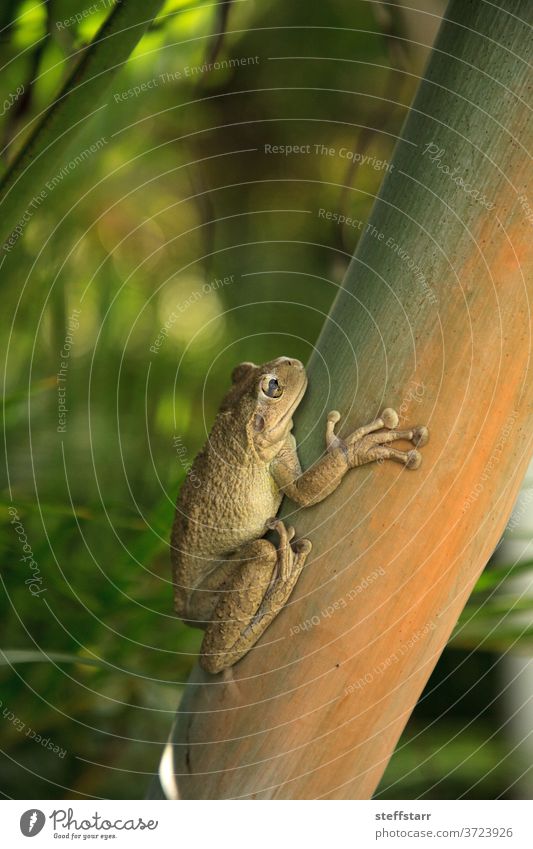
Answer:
(433, 319)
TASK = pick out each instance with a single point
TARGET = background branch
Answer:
(80, 97)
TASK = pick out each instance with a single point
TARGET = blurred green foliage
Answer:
(180, 194)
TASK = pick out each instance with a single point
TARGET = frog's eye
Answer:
(270, 387)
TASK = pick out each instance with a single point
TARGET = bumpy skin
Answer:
(227, 578)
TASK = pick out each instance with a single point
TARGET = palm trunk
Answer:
(434, 319)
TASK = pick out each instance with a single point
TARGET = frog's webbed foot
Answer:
(289, 552)
(264, 577)
(372, 442)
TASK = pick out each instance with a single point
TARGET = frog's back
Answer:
(230, 494)
(224, 502)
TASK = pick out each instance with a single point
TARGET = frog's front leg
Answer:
(371, 442)
(365, 445)
(261, 580)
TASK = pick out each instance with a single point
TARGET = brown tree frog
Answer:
(228, 578)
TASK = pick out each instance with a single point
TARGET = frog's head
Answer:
(264, 399)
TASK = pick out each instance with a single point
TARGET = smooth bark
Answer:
(316, 708)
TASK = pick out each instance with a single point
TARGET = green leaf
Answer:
(10, 657)
(81, 96)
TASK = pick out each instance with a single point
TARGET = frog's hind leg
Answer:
(262, 580)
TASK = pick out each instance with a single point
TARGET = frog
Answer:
(235, 563)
